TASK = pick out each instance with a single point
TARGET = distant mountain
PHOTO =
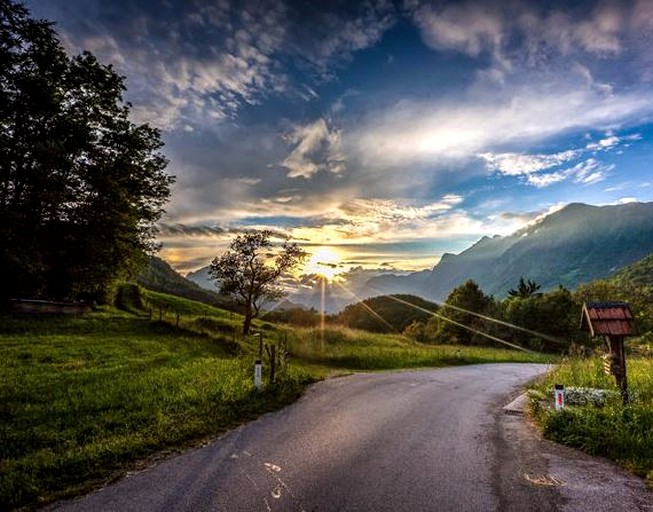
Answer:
(307, 292)
(574, 245)
(202, 278)
(159, 276)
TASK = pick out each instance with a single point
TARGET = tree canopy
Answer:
(81, 185)
(525, 289)
(554, 314)
(459, 308)
(247, 273)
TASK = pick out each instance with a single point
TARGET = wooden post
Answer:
(272, 356)
(618, 359)
(177, 321)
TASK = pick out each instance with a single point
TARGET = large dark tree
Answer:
(553, 314)
(458, 320)
(250, 274)
(81, 185)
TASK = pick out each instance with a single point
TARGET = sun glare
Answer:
(325, 262)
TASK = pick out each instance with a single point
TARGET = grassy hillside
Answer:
(386, 313)
(348, 349)
(639, 273)
(159, 276)
(83, 399)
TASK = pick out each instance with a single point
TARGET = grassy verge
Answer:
(621, 433)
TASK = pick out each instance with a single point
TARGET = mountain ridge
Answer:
(575, 244)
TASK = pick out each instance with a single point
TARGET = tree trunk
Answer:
(248, 321)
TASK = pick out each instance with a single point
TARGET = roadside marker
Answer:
(559, 394)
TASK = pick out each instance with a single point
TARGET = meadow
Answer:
(623, 433)
(82, 399)
(85, 399)
(339, 349)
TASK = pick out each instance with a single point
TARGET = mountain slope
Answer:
(159, 276)
(576, 244)
(202, 278)
(639, 273)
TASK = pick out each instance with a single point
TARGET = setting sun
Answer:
(325, 262)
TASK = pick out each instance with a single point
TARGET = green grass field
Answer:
(83, 399)
(621, 433)
(346, 349)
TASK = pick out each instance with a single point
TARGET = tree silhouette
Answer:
(81, 186)
(525, 289)
(250, 274)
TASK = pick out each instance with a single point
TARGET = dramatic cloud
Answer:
(466, 27)
(207, 60)
(393, 130)
(328, 37)
(516, 164)
(473, 27)
(531, 167)
(317, 147)
(383, 220)
(414, 131)
(228, 62)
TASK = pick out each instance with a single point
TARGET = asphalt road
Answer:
(416, 440)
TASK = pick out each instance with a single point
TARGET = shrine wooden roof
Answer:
(608, 319)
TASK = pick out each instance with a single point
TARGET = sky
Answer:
(378, 134)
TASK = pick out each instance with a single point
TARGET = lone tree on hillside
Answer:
(250, 274)
(81, 185)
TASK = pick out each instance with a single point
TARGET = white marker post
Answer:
(257, 373)
(559, 394)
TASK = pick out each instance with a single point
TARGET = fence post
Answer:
(257, 374)
(272, 356)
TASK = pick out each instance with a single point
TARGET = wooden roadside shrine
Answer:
(614, 321)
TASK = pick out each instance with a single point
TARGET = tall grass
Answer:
(621, 433)
(174, 304)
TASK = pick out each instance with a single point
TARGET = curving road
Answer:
(415, 440)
